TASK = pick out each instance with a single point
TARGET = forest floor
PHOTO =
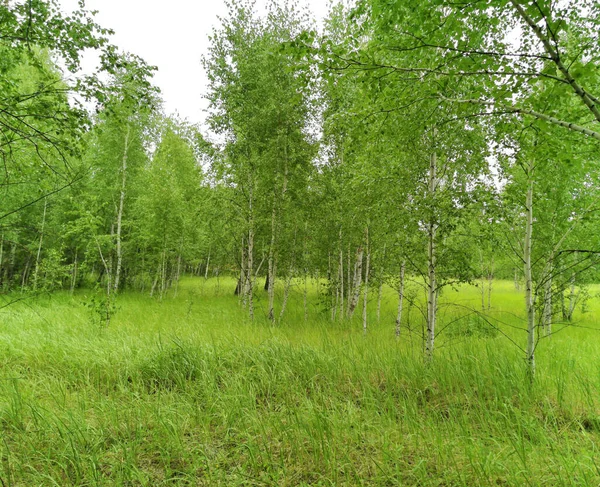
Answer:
(186, 391)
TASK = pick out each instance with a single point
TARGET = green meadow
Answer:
(186, 391)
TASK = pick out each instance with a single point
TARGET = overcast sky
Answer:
(172, 35)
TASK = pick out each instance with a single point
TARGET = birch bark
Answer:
(120, 211)
(432, 263)
(400, 299)
(356, 281)
(366, 287)
(39, 250)
(529, 297)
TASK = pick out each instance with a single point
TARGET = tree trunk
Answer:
(25, 274)
(335, 301)
(305, 295)
(380, 291)
(366, 290)
(120, 211)
(529, 298)
(177, 275)
(156, 278)
(288, 281)
(74, 272)
(2, 283)
(572, 298)
(333, 296)
(400, 299)
(39, 250)
(207, 264)
(240, 289)
(12, 261)
(432, 263)
(483, 279)
(341, 278)
(271, 263)
(250, 257)
(274, 234)
(348, 283)
(490, 283)
(356, 281)
(547, 312)
(108, 301)
(163, 273)
(305, 266)
(563, 306)
(286, 294)
(379, 298)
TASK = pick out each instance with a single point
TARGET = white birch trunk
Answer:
(156, 278)
(13, 256)
(120, 211)
(305, 295)
(483, 279)
(74, 273)
(250, 256)
(39, 250)
(379, 298)
(490, 284)
(432, 264)
(163, 273)
(207, 264)
(400, 299)
(288, 281)
(305, 258)
(529, 298)
(177, 275)
(2, 283)
(366, 289)
(547, 312)
(271, 263)
(349, 283)
(333, 302)
(572, 298)
(108, 271)
(242, 281)
(341, 278)
(380, 291)
(25, 274)
(356, 282)
(286, 294)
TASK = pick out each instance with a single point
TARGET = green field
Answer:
(186, 391)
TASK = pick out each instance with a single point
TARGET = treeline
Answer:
(125, 213)
(411, 141)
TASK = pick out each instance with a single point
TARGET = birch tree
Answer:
(260, 105)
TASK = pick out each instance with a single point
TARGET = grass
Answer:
(188, 392)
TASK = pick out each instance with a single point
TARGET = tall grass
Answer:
(188, 392)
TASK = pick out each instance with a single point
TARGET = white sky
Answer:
(172, 35)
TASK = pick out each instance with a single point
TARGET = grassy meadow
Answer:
(186, 391)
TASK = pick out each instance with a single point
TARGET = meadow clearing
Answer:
(186, 391)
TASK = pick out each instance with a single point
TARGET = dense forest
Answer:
(415, 141)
